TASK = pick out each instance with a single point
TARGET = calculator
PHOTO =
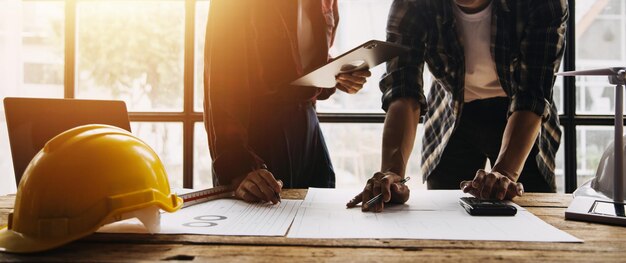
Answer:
(483, 207)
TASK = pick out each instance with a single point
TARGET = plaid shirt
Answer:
(527, 44)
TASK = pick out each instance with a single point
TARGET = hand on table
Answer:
(387, 183)
(259, 186)
(352, 82)
(493, 185)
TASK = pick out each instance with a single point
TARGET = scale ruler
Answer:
(191, 196)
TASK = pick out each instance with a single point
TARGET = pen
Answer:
(263, 166)
(377, 197)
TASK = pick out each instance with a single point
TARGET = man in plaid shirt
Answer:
(493, 62)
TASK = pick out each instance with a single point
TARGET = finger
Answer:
(362, 73)
(352, 78)
(367, 193)
(473, 191)
(242, 194)
(354, 85)
(399, 193)
(339, 86)
(351, 87)
(385, 185)
(250, 198)
(478, 178)
(355, 201)
(465, 186)
(378, 175)
(263, 186)
(488, 183)
(280, 184)
(345, 87)
(515, 189)
(378, 205)
(270, 180)
(502, 188)
(520, 189)
(253, 189)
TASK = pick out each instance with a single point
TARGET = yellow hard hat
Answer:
(82, 179)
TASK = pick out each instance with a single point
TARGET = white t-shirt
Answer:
(481, 78)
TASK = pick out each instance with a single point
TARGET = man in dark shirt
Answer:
(493, 62)
(264, 133)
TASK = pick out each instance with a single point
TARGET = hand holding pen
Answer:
(259, 185)
(383, 187)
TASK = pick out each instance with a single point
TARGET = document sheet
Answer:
(220, 217)
(427, 215)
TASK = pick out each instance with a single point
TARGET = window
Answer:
(355, 153)
(131, 51)
(600, 40)
(202, 16)
(360, 21)
(31, 62)
(149, 53)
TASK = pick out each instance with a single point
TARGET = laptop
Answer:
(32, 122)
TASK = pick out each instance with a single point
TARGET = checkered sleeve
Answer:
(541, 51)
(404, 73)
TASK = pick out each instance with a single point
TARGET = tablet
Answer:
(366, 56)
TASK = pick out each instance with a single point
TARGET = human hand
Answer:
(259, 186)
(352, 82)
(387, 183)
(493, 185)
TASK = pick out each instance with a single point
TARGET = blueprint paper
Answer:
(220, 217)
(428, 215)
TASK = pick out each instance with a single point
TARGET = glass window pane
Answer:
(560, 167)
(31, 48)
(202, 163)
(557, 92)
(202, 15)
(7, 178)
(360, 21)
(166, 139)
(355, 153)
(31, 62)
(591, 142)
(131, 51)
(600, 43)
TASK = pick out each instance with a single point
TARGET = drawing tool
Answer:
(192, 197)
(377, 197)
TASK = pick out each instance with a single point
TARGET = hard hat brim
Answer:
(13, 242)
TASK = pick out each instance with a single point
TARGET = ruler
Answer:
(193, 196)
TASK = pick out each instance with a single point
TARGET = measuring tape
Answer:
(191, 197)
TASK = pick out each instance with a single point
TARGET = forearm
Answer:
(399, 134)
(227, 94)
(519, 136)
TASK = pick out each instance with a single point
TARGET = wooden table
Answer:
(603, 243)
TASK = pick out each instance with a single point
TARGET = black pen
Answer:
(377, 197)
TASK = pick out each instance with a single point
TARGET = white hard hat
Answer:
(601, 186)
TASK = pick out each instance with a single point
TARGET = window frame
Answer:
(189, 117)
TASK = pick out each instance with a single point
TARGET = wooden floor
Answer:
(603, 243)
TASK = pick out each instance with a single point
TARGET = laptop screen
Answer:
(32, 122)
